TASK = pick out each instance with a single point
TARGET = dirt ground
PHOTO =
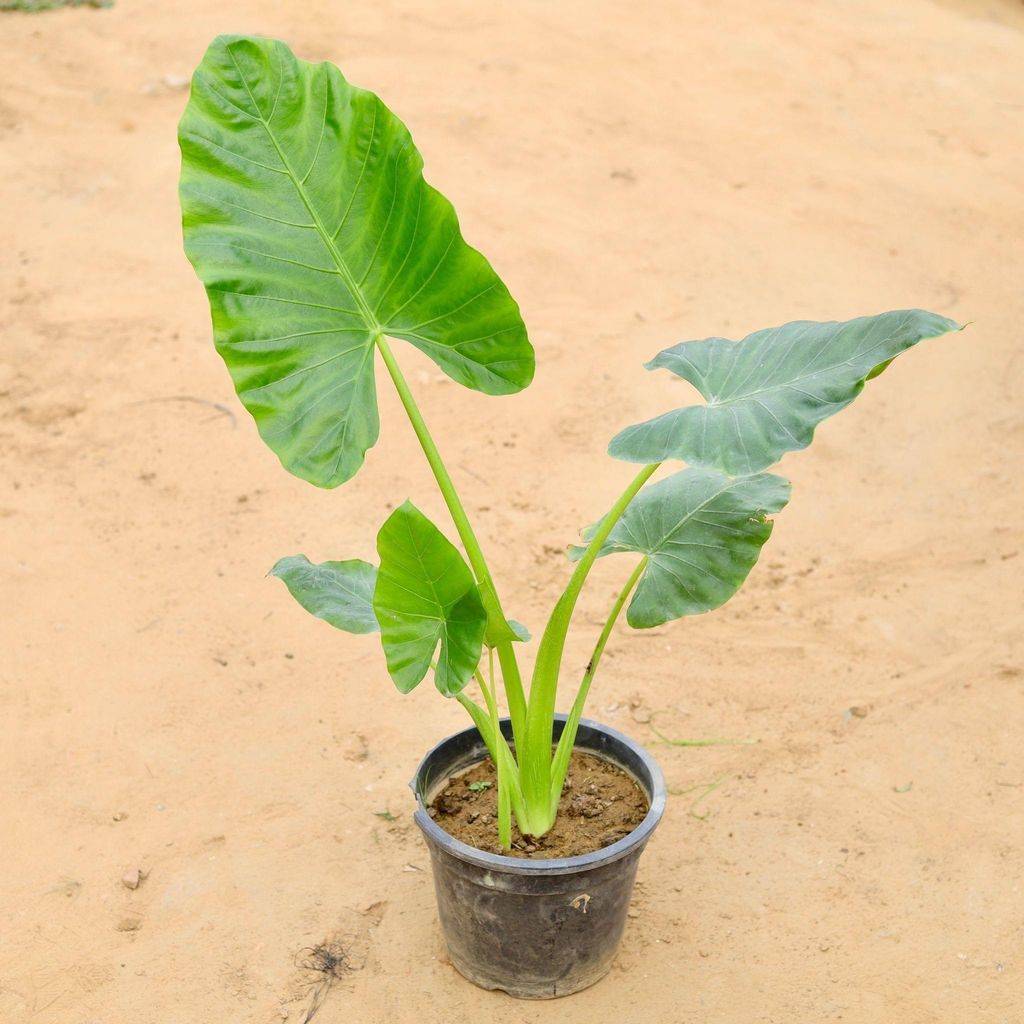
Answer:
(639, 174)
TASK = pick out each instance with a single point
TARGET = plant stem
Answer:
(613, 615)
(500, 768)
(560, 764)
(535, 756)
(506, 655)
(497, 747)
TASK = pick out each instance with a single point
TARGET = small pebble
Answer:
(131, 879)
(129, 924)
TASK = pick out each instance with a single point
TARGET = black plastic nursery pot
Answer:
(534, 928)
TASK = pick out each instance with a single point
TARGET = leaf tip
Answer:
(281, 566)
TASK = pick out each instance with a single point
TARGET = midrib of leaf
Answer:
(432, 582)
(689, 515)
(803, 373)
(439, 624)
(372, 326)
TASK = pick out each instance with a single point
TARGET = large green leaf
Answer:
(340, 593)
(767, 393)
(307, 218)
(702, 532)
(426, 595)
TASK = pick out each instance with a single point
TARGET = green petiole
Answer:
(563, 753)
(535, 757)
(506, 654)
(529, 786)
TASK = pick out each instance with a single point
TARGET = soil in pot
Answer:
(600, 805)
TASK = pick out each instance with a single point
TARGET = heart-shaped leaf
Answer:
(340, 593)
(767, 393)
(426, 595)
(307, 218)
(702, 532)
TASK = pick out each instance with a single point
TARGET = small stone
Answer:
(633, 913)
(132, 879)
(704, 953)
(859, 711)
(586, 805)
(129, 924)
(119, 815)
(448, 803)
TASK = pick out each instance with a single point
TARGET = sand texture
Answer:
(198, 779)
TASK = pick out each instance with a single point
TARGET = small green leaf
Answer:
(767, 393)
(340, 593)
(426, 595)
(480, 785)
(702, 532)
(519, 631)
(307, 218)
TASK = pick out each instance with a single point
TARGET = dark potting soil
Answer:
(600, 805)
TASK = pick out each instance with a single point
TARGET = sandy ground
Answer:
(639, 174)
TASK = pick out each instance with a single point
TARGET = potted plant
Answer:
(307, 218)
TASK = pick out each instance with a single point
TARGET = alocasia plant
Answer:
(307, 218)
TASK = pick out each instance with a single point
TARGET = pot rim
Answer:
(656, 793)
